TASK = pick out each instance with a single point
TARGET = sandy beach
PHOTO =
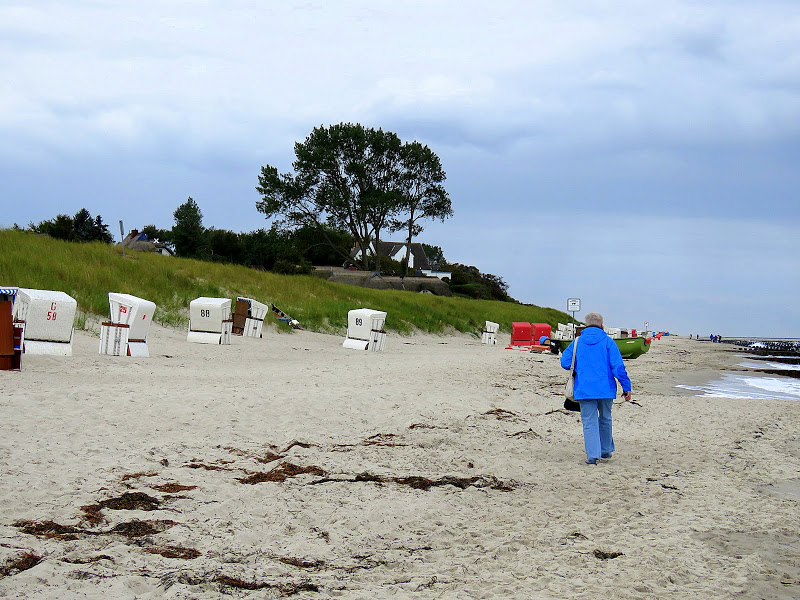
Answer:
(289, 466)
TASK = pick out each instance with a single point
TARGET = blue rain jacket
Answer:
(597, 365)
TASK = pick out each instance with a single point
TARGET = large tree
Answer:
(422, 191)
(348, 176)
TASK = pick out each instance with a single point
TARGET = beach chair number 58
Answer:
(51, 314)
(359, 322)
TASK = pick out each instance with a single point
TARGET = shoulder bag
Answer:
(569, 389)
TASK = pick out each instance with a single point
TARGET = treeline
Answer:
(80, 228)
(281, 251)
(285, 252)
(288, 252)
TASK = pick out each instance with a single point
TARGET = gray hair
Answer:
(595, 319)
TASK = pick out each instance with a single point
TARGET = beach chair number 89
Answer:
(359, 322)
(205, 313)
(51, 314)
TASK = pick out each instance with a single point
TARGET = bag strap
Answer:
(574, 353)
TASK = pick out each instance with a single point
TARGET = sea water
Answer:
(748, 386)
(752, 364)
(773, 386)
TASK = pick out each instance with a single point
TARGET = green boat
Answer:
(630, 347)
(633, 347)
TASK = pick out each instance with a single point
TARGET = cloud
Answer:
(543, 75)
(677, 118)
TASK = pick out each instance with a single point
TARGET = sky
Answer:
(640, 156)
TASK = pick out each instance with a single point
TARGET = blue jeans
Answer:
(596, 419)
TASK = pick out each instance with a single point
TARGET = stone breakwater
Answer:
(763, 347)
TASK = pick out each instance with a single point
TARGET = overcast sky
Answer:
(641, 156)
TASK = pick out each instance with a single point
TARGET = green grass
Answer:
(87, 272)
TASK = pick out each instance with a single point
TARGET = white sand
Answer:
(702, 497)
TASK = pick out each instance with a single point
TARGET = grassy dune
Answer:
(87, 272)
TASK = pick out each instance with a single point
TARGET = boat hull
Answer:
(630, 347)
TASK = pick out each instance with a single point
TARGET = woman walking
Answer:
(598, 367)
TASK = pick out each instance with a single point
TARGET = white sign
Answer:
(573, 304)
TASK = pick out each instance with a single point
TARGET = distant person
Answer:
(598, 367)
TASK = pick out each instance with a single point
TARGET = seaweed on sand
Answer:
(26, 561)
(300, 563)
(173, 488)
(138, 528)
(52, 530)
(48, 530)
(602, 555)
(174, 552)
(88, 560)
(199, 465)
(285, 589)
(137, 475)
(92, 514)
(128, 501)
(131, 501)
(281, 473)
(424, 483)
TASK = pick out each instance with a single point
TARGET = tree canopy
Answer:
(188, 231)
(357, 179)
(80, 228)
(468, 281)
(423, 193)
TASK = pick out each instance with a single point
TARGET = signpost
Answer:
(573, 306)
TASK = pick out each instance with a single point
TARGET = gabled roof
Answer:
(397, 251)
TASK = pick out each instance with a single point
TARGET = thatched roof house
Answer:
(137, 240)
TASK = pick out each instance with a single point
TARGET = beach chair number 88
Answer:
(359, 322)
(205, 313)
(51, 314)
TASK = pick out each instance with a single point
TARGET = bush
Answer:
(472, 290)
(284, 267)
(469, 281)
